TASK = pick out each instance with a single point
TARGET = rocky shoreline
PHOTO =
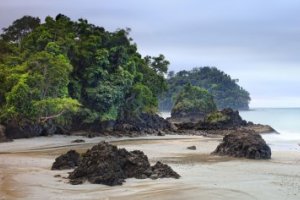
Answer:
(229, 122)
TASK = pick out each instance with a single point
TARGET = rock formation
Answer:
(66, 161)
(244, 144)
(106, 164)
(223, 122)
(144, 124)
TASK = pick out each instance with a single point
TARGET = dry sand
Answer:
(25, 172)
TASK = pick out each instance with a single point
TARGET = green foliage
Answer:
(216, 117)
(19, 29)
(194, 99)
(62, 69)
(56, 108)
(226, 91)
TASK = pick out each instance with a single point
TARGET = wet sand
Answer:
(25, 171)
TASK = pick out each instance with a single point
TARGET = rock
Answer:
(179, 117)
(2, 134)
(160, 170)
(260, 128)
(243, 144)
(224, 119)
(66, 161)
(145, 123)
(161, 133)
(78, 141)
(15, 130)
(106, 164)
(192, 148)
(223, 122)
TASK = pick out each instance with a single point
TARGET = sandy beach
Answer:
(25, 171)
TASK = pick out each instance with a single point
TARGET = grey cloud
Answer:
(256, 41)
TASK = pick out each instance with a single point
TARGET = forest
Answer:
(225, 90)
(61, 69)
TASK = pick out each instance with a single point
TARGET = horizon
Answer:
(255, 42)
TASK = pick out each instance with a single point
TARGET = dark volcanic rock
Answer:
(224, 119)
(192, 148)
(223, 122)
(15, 130)
(243, 144)
(66, 161)
(183, 116)
(145, 123)
(106, 164)
(160, 170)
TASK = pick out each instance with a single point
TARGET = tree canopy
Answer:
(61, 69)
(193, 99)
(225, 90)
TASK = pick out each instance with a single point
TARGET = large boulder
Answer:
(106, 164)
(244, 144)
(68, 160)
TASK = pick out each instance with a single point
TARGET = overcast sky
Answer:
(255, 41)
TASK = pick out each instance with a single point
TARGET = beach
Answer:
(25, 171)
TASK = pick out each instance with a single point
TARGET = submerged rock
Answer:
(244, 144)
(106, 164)
(66, 161)
(78, 141)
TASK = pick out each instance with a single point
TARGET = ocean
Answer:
(286, 121)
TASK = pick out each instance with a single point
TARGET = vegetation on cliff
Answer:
(226, 92)
(63, 69)
(193, 100)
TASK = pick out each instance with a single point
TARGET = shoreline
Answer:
(26, 163)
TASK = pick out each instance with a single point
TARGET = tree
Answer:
(73, 69)
(226, 91)
(19, 29)
(193, 99)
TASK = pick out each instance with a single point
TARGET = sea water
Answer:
(286, 121)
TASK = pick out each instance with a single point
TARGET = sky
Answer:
(255, 41)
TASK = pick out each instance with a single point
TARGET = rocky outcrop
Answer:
(244, 144)
(15, 130)
(106, 164)
(183, 116)
(223, 122)
(144, 124)
(224, 119)
(259, 128)
(68, 160)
